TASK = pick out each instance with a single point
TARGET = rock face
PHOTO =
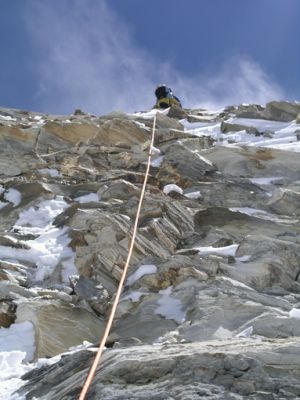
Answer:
(211, 305)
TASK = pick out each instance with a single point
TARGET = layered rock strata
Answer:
(211, 305)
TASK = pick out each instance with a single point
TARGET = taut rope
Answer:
(96, 362)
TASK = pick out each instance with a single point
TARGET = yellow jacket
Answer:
(167, 102)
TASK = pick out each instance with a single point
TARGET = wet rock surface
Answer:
(211, 306)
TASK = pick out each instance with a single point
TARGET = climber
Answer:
(166, 98)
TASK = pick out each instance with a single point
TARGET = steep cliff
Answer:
(211, 307)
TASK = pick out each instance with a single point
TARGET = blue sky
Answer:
(109, 55)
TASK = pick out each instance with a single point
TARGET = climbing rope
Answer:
(97, 359)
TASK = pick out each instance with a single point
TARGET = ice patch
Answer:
(140, 272)
(169, 307)
(172, 188)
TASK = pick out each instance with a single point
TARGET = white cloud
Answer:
(87, 59)
(239, 80)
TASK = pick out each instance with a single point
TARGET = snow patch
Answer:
(169, 307)
(54, 173)
(157, 162)
(13, 196)
(222, 333)
(87, 198)
(51, 245)
(225, 251)
(235, 283)
(253, 212)
(134, 296)
(150, 114)
(7, 118)
(172, 188)
(155, 150)
(244, 258)
(18, 337)
(11, 370)
(246, 333)
(140, 272)
(193, 195)
(294, 313)
(42, 215)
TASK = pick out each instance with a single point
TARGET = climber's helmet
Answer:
(163, 91)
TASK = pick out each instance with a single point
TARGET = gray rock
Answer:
(282, 110)
(58, 325)
(214, 273)
(231, 127)
(237, 369)
(285, 202)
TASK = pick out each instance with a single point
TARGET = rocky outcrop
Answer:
(282, 110)
(239, 369)
(274, 111)
(211, 303)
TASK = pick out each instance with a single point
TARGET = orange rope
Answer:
(96, 362)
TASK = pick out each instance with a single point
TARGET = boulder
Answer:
(59, 325)
(234, 127)
(254, 162)
(282, 110)
(285, 201)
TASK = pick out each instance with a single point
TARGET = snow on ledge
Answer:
(169, 307)
(87, 198)
(294, 313)
(225, 251)
(18, 337)
(172, 188)
(140, 272)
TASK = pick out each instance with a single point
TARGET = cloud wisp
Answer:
(87, 58)
(239, 80)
